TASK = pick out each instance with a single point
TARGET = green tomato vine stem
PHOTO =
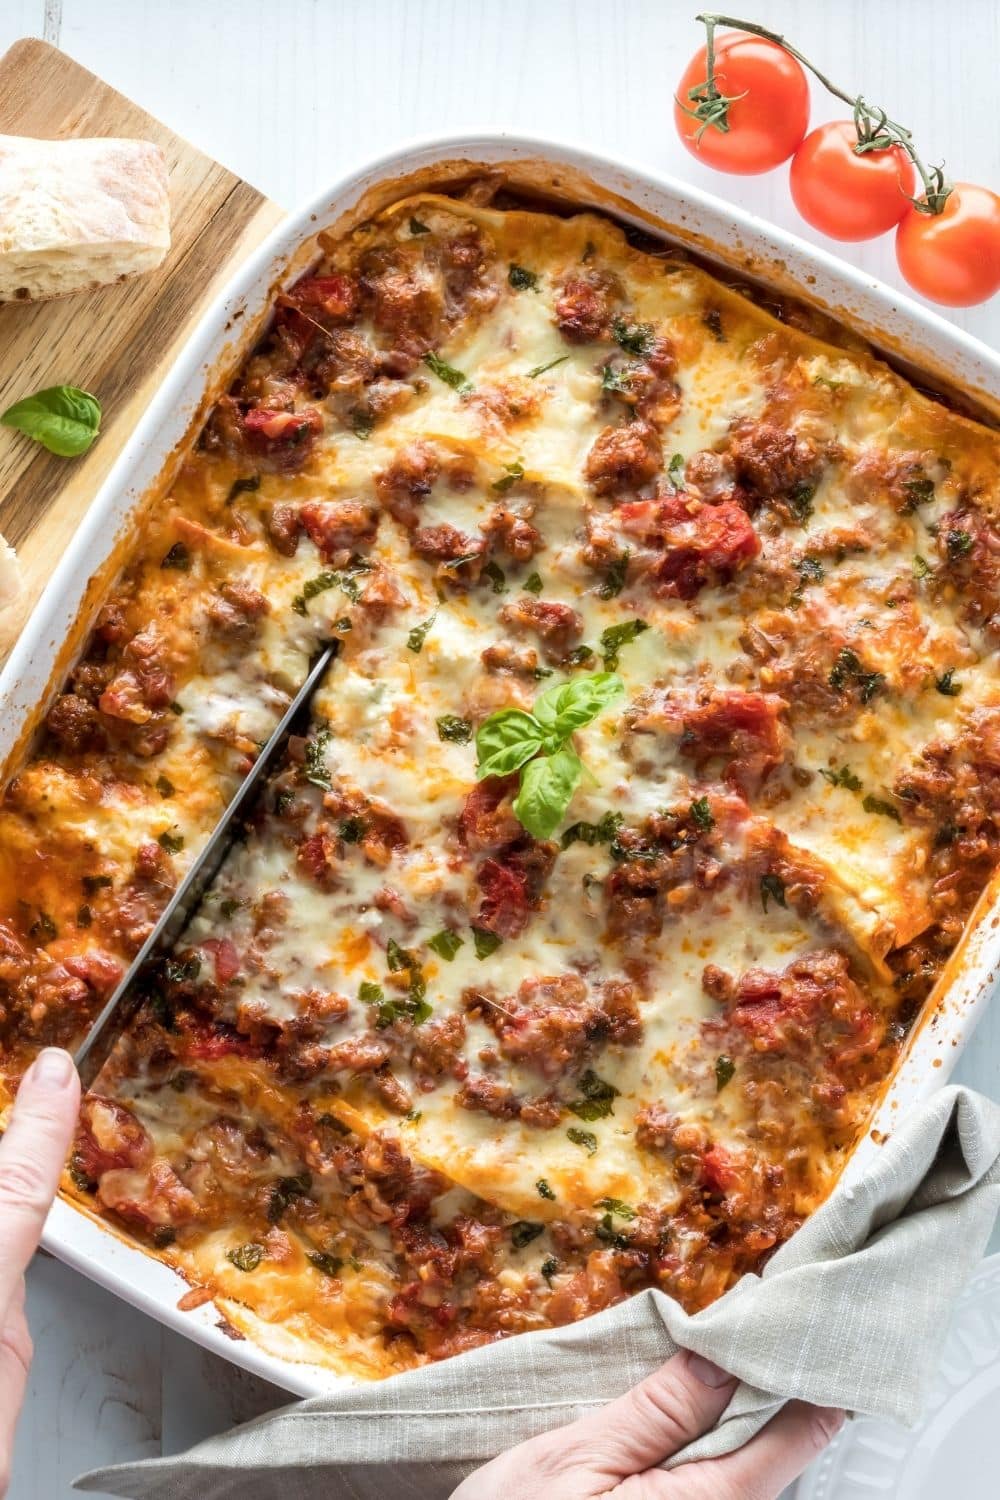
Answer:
(875, 130)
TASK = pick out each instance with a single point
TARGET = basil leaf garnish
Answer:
(62, 418)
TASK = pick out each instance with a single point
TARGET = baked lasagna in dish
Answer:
(655, 780)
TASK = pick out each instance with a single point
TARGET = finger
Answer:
(683, 1399)
(759, 1470)
(15, 1359)
(32, 1153)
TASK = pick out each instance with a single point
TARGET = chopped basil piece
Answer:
(617, 636)
(362, 425)
(243, 487)
(496, 576)
(446, 372)
(675, 471)
(398, 958)
(419, 633)
(176, 708)
(946, 684)
(634, 338)
(417, 228)
(512, 473)
(606, 1232)
(351, 830)
(451, 727)
(616, 1206)
(701, 814)
(579, 655)
(370, 993)
(598, 1098)
(329, 1265)
(541, 369)
(544, 1191)
(485, 942)
(311, 588)
(413, 1007)
(446, 944)
(228, 908)
(178, 558)
(454, 563)
(532, 584)
(878, 805)
(921, 567)
(314, 770)
(183, 970)
(847, 669)
(593, 833)
(523, 1232)
(918, 492)
(80, 1179)
(173, 843)
(800, 502)
(617, 380)
(958, 544)
(724, 1070)
(282, 1193)
(521, 279)
(246, 1257)
(549, 1267)
(164, 786)
(614, 578)
(84, 916)
(772, 887)
(841, 776)
(713, 322)
(585, 1138)
(94, 883)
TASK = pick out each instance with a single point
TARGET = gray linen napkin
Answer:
(850, 1312)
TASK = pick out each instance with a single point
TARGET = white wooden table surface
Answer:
(289, 94)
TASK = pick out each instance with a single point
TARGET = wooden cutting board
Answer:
(117, 342)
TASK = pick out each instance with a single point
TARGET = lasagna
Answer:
(656, 777)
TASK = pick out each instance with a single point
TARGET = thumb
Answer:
(32, 1153)
(667, 1410)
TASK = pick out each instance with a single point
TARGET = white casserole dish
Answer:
(920, 340)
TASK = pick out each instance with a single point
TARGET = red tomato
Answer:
(766, 124)
(954, 256)
(846, 195)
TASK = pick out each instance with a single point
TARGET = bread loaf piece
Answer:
(10, 575)
(79, 214)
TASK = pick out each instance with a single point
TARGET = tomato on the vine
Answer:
(766, 111)
(954, 256)
(847, 194)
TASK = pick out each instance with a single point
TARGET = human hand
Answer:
(32, 1153)
(612, 1453)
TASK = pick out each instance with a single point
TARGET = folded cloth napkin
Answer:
(850, 1312)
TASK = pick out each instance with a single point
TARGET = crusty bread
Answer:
(79, 214)
(10, 575)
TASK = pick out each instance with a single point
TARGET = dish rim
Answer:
(687, 215)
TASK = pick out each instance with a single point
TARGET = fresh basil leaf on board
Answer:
(62, 418)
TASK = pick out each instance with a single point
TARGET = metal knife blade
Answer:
(96, 1046)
